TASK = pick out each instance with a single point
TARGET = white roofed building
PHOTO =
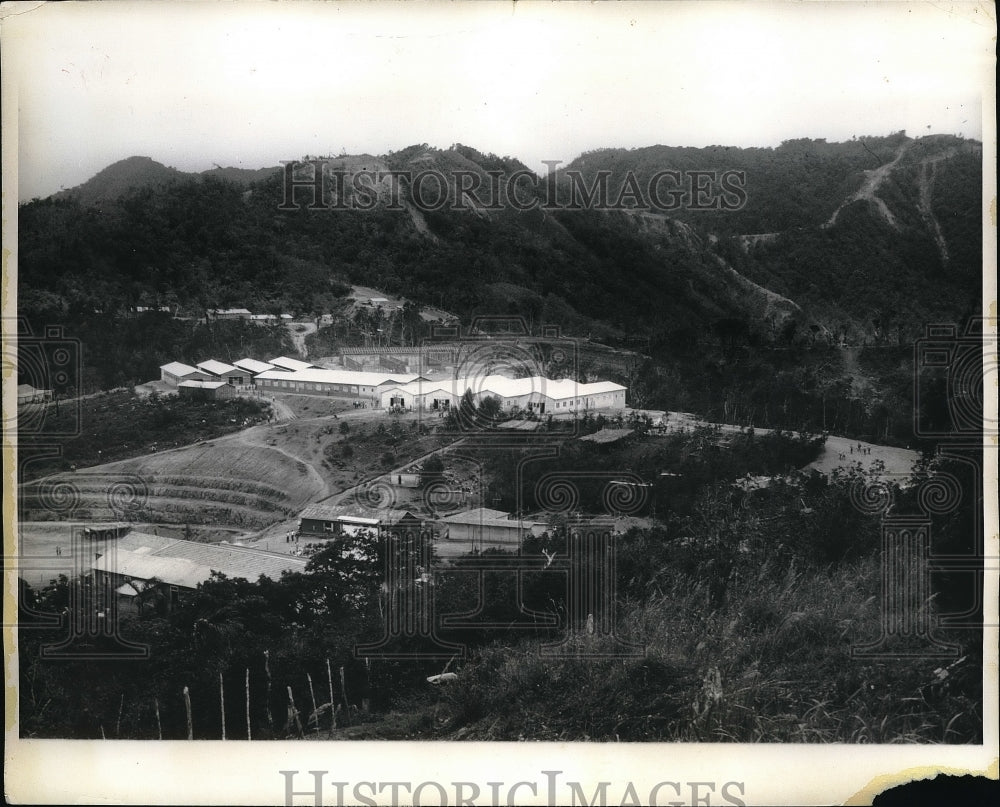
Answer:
(484, 528)
(534, 393)
(229, 313)
(216, 390)
(227, 372)
(363, 386)
(253, 367)
(134, 562)
(175, 372)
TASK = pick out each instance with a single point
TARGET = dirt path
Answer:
(873, 179)
(928, 172)
(842, 452)
(337, 498)
(299, 331)
(260, 436)
(838, 452)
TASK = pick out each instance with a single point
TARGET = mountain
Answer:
(120, 178)
(845, 236)
(135, 173)
(828, 249)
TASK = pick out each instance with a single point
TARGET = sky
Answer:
(197, 84)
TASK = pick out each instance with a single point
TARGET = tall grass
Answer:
(771, 664)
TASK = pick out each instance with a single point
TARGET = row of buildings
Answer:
(245, 314)
(479, 528)
(535, 394)
(141, 566)
(397, 390)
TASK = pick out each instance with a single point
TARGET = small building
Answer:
(421, 394)
(206, 390)
(483, 528)
(229, 313)
(225, 372)
(29, 394)
(175, 372)
(331, 521)
(150, 309)
(406, 480)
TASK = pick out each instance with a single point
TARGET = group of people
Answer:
(860, 450)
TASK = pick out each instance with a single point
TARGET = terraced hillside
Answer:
(232, 480)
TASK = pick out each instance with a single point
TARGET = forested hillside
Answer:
(840, 248)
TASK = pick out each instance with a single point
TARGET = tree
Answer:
(490, 409)
(467, 411)
(433, 466)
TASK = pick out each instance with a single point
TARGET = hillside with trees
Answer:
(840, 248)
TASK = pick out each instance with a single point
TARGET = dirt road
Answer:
(299, 331)
(838, 452)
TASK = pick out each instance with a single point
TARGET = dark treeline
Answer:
(677, 468)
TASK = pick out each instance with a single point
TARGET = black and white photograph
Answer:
(457, 403)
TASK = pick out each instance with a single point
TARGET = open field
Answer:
(122, 424)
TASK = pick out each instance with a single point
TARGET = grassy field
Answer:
(118, 425)
(773, 664)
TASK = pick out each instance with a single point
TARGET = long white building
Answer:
(362, 386)
(533, 394)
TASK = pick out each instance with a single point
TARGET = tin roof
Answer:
(290, 364)
(253, 366)
(192, 384)
(188, 563)
(476, 516)
(216, 367)
(354, 513)
(353, 377)
(178, 368)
